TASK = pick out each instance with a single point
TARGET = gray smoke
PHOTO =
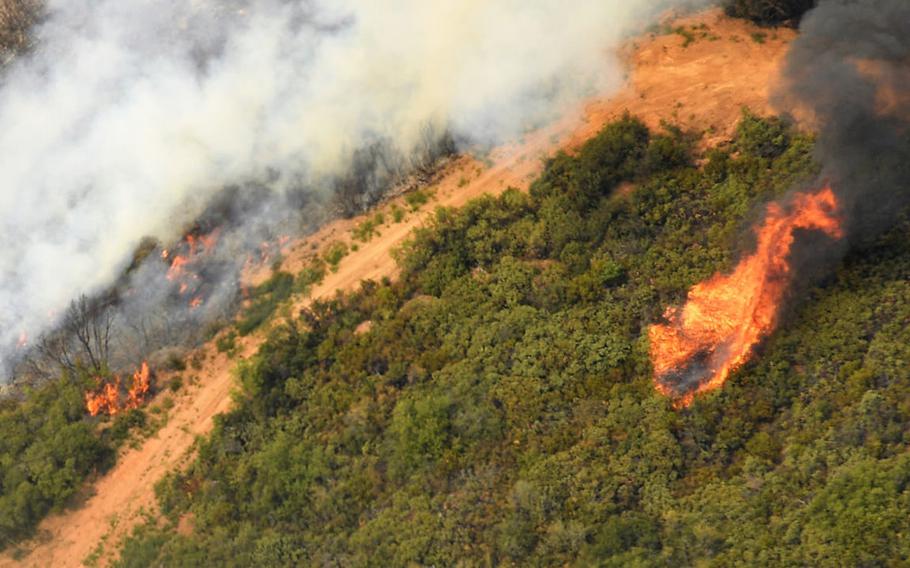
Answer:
(127, 118)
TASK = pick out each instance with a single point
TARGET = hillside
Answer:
(370, 414)
(498, 406)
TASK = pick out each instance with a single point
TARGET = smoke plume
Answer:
(848, 75)
(128, 118)
(850, 69)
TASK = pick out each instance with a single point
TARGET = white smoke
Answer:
(129, 116)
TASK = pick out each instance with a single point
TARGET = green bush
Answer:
(312, 275)
(417, 199)
(264, 299)
(334, 252)
(766, 138)
(47, 448)
(227, 342)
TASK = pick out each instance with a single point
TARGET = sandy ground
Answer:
(702, 85)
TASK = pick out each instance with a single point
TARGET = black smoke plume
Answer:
(850, 69)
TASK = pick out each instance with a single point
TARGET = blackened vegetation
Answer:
(83, 340)
(769, 12)
(379, 165)
(153, 309)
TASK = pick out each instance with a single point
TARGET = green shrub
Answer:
(417, 199)
(334, 252)
(264, 299)
(175, 383)
(398, 214)
(227, 342)
(47, 448)
(766, 138)
(368, 228)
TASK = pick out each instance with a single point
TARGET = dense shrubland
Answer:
(47, 448)
(499, 410)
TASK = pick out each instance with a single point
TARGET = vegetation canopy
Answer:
(499, 409)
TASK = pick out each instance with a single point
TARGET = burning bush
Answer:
(109, 399)
(727, 315)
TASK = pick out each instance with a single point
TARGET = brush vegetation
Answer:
(499, 408)
(49, 446)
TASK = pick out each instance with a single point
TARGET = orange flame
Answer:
(106, 399)
(176, 269)
(195, 245)
(140, 387)
(725, 316)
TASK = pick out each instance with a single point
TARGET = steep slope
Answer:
(496, 404)
(699, 84)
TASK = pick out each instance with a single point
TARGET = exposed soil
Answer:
(701, 86)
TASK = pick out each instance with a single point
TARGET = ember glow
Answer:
(181, 260)
(107, 397)
(725, 316)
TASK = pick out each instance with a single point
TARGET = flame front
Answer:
(106, 399)
(725, 316)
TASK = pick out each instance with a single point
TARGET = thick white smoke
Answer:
(129, 116)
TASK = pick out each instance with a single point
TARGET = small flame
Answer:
(23, 340)
(191, 248)
(725, 316)
(176, 269)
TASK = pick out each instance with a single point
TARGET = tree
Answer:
(83, 340)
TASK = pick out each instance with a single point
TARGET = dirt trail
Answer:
(702, 86)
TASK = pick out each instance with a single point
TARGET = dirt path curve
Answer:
(702, 85)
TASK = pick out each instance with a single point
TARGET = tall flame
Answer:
(106, 399)
(139, 388)
(726, 315)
